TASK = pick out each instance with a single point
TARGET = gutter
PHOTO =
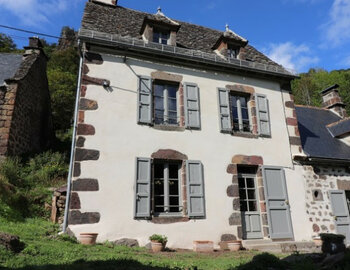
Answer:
(72, 153)
(321, 161)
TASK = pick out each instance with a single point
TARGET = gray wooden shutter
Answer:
(224, 110)
(195, 189)
(263, 117)
(192, 106)
(143, 188)
(144, 109)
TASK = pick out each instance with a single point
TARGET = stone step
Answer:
(281, 247)
(256, 242)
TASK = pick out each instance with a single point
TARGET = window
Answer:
(232, 52)
(240, 115)
(167, 187)
(247, 190)
(165, 104)
(160, 36)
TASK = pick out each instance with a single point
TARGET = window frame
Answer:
(166, 98)
(239, 112)
(246, 189)
(166, 180)
(232, 52)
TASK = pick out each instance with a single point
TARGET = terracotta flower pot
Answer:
(88, 238)
(157, 246)
(203, 246)
(234, 245)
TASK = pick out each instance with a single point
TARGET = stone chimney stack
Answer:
(106, 2)
(35, 47)
(332, 100)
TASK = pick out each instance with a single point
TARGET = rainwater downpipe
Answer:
(72, 152)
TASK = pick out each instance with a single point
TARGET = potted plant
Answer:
(235, 245)
(88, 238)
(158, 242)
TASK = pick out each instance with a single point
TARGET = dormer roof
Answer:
(161, 20)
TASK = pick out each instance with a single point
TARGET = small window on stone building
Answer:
(160, 36)
(232, 52)
(317, 195)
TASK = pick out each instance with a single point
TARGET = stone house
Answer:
(25, 110)
(185, 131)
(325, 138)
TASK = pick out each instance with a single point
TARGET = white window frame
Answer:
(232, 52)
(165, 104)
(239, 113)
(166, 190)
(161, 33)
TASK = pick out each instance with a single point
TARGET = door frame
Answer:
(254, 176)
(289, 217)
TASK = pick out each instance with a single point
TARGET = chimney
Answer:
(106, 2)
(332, 100)
(35, 43)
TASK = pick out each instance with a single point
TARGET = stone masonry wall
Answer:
(319, 181)
(25, 121)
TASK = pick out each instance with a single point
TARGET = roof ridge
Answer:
(338, 122)
(311, 107)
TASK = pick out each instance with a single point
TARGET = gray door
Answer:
(277, 203)
(341, 213)
(249, 204)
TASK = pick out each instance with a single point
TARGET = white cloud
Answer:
(337, 30)
(35, 12)
(291, 56)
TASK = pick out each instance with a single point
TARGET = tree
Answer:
(7, 44)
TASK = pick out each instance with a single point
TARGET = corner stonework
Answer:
(81, 153)
(233, 192)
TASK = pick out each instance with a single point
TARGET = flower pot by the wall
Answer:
(203, 246)
(88, 238)
(234, 245)
(157, 246)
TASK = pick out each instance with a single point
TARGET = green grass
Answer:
(45, 250)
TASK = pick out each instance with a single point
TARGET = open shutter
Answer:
(195, 189)
(192, 106)
(143, 188)
(263, 116)
(224, 110)
(340, 213)
(144, 109)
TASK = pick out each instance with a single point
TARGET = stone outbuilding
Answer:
(25, 110)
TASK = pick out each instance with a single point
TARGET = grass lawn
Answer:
(45, 250)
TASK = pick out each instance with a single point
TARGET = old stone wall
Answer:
(25, 123)
(319, 181)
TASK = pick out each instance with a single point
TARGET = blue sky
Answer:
(298, 34)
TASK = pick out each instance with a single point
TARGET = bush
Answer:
(263, 261)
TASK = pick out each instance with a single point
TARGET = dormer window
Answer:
(160, 36)
(232, 52)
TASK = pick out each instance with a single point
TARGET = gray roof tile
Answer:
(9, 64)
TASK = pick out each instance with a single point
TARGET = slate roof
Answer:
(340, 128)
(316, 140)
(127, 22)
(9, 64)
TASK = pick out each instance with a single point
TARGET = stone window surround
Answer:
(173, 155)
(247, 91)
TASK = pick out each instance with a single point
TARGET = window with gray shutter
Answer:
(262, 107)
(192, 106)
(144, 111)
(195, 189)
(224, 110)
(143, 188)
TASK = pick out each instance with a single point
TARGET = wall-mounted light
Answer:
(106, 84)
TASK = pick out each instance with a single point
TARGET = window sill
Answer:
(245, 135)
(169, 219)
(169, 128)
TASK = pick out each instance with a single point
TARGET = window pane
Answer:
(173, 187)
(250, 183)
(159, 103)
(252, 205)
(173, 171)
(156, 37)
(242, 194)
(243, 102)
(243, 206)
(172, 118)
(245, 115)
(159, 204)
(251, 194)
(174, 204)
(172, 89)
(172, 104)
(158, 170)
(159, 90)
(158, 187)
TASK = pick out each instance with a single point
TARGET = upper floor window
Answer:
(232, 52)
(240, 115)
(165, 103)
(160, 36)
